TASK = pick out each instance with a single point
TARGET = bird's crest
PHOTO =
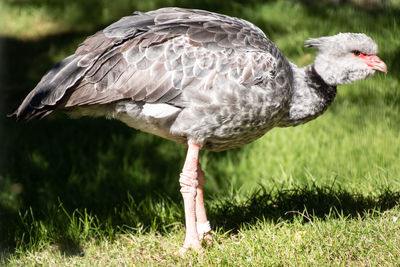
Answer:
(343, 42)
(315, 42)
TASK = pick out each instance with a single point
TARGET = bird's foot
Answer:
(207, 239)
(204, 232)
(193, 243)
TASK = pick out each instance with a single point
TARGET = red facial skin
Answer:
(372, 61)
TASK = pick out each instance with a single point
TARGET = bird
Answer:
(204, 80)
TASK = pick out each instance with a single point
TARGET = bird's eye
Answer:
(356, 53)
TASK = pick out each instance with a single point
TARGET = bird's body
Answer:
(177, 73)
(198, 78)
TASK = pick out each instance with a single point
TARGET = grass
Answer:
(371, 238)
(94, 192)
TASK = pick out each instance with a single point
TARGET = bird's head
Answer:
(346, 57)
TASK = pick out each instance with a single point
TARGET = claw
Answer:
(196, 247)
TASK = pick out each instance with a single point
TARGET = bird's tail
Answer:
(52, 87)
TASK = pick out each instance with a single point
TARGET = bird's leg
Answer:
(188, 181)
(203, 225)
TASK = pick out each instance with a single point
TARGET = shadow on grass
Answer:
(308, 201)
(85, 164)
(159, 213)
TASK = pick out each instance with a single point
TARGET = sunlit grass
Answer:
(371, 239)
(26, 23)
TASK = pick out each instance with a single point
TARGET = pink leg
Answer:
(188, 181)
(203, 225)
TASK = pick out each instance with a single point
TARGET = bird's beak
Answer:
(375, 63)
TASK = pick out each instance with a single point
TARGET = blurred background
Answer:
(122, 177)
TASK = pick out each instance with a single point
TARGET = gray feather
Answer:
(51, 88)
(195, 75)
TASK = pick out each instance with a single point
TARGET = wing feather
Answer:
(154, 57)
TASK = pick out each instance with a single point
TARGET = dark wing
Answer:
(67, 73)
(152, 57)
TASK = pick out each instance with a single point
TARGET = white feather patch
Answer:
(159, 110)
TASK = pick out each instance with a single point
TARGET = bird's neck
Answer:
(311, 96)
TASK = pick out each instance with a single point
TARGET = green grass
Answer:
(369, 239)
(94, 192)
